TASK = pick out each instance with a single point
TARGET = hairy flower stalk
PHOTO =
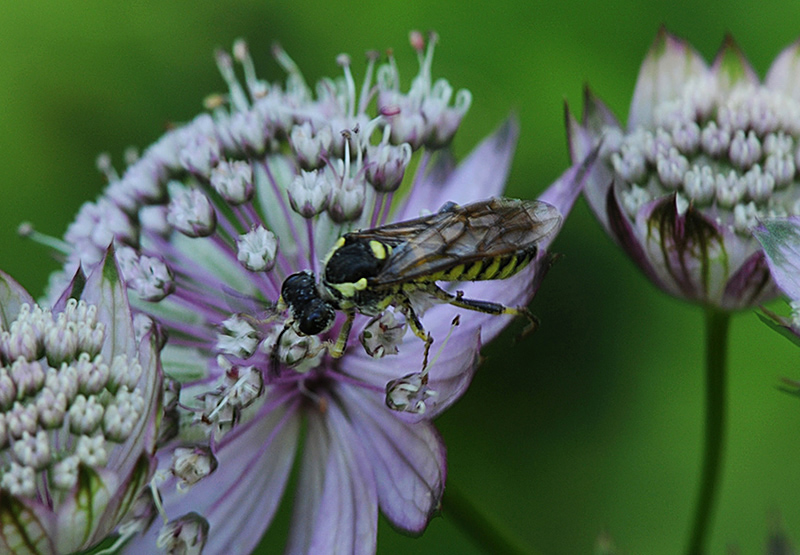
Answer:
(707, 153)
(80, 399)
(210, 221)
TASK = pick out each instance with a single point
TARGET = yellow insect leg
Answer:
(337, 350)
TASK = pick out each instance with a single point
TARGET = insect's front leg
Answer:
(337, 349)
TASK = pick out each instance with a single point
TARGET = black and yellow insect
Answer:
(368, 271)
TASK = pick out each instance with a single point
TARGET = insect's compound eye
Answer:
(317, 317)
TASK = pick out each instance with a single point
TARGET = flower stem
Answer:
(717, 325)
(484, 533)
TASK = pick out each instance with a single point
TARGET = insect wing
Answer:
(401, 232)
(466, 234)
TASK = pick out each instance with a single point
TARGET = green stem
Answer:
(717, 325)
(484, 534)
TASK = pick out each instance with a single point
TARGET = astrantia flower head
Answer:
(707, 153)
(80, 398)
(211, 220)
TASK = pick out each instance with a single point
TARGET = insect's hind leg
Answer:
(416, 326)
(487, 307)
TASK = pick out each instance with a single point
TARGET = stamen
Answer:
(238, 97)
(26, 230)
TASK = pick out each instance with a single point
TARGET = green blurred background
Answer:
(595, 422)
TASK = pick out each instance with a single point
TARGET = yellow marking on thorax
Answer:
(349, 289)
(338, 245)
(380, 250)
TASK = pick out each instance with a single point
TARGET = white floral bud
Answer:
(65, 473)
(28, 377)
(247, 131)
(33, 450)
(192, 464)
(92, 374)
(121, 416)
(191, 213)
(243, 385)
(186, 535)
(85, 415)
(8, 389)
(347, 201)
(52, 407)
(19, 480)
(309, 192)
(237, 337)
(382, 335)
(386, 165)
(409, 394)
(20, 419)
(92, 450)
(154, 280)
(233, 181)
(256, 249)
(201, 154)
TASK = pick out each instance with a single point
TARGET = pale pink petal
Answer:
(408, 460)
(784, 74)
(481, 175)
(254, 464)
(337, 506)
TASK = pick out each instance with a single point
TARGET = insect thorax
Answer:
(348, 271)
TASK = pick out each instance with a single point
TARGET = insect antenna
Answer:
(274, 354)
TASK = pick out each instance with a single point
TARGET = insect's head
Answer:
(311, 313)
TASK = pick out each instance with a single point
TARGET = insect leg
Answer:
(416, 327)
(486, 307)
(274, 354)
(337, 350)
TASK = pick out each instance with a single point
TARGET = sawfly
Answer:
(370, 270)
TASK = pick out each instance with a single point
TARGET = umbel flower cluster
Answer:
(80, 399)
(707, 153)
(210, 220)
